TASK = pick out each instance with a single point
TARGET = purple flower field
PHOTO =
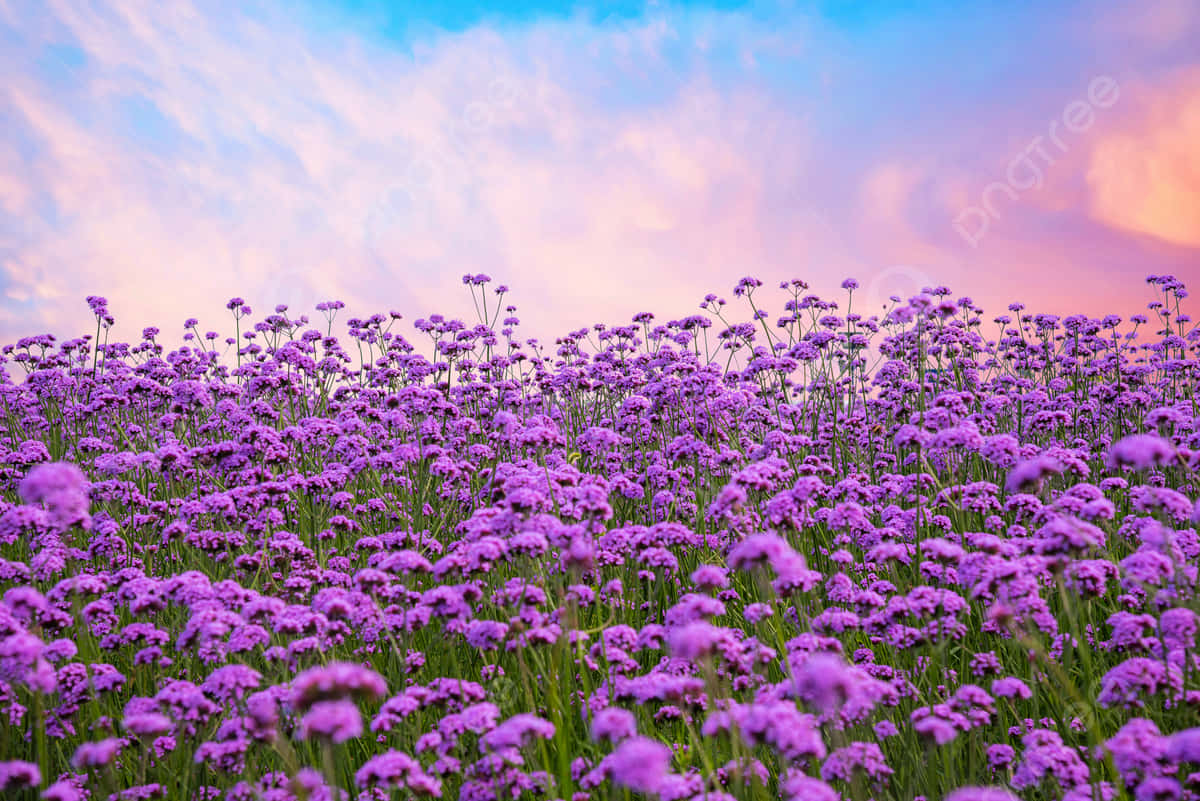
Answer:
(783, 552)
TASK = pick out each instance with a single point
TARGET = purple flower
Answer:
(982, 794)
(778, 723)
(1030, 474)
(16, 774)
(884, 729)
(866, 758)
(695, 640)
(1011, 687)
(336, 680)
(70, 789)
(1130, 682)
(515, 732)
(756, 612)
(231, 682)
(758, 549)
(1184, 746)
(1140, 452)
(710, 577)
(613, 724)
(336, 721)
(939, 723)
(485, 635)
(1067, 535)
(1158, 788)
(62, 488)
(640, 764)
(1179, 627)
(827, 683)
(1046, 757)
(97, 754)
(1136, 749)
(801, 787)
(1000, 755)
(394, 769)
(693, 607)
(147, 724)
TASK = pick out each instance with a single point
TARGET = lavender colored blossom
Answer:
(62, 488)
(394, 769)
(97, 754)
(614, 724)
(858, 757)
(1030, 474)
(1184, 746)
(1140, 452)
(336, 721)
(1011, 687)
(515, 732)
(800, 787)
(336, 680)
(640, 764)
(16, 774)
(982, 794)
(784, 547)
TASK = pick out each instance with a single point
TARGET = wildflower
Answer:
(514, 732)
(395, 769)
(1140, 452)
(147, 724)
(1030, 474)
(1000, 755)
(231, 682)
(640, 764)
(62, 488)
(857, 757)
(96, 754)
(16, 774)
(1136, 749)
(801, 787)
(1011, 687)
(695, 640)
(336, 721)
(1130, 682)
(614, 724)
(1184, 746)
(336, 680)
(982, 794)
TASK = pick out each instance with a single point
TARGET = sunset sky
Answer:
(601, 160)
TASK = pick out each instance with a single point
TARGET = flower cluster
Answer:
(826, 556)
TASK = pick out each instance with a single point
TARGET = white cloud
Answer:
(599, 170)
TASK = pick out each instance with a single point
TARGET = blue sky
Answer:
(597, 158)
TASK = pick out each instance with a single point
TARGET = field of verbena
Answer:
(816, 556)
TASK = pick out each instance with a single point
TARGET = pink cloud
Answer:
(1157, 23)
(1145, 177)
(310, 169)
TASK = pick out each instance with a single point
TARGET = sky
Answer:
(600, 160)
